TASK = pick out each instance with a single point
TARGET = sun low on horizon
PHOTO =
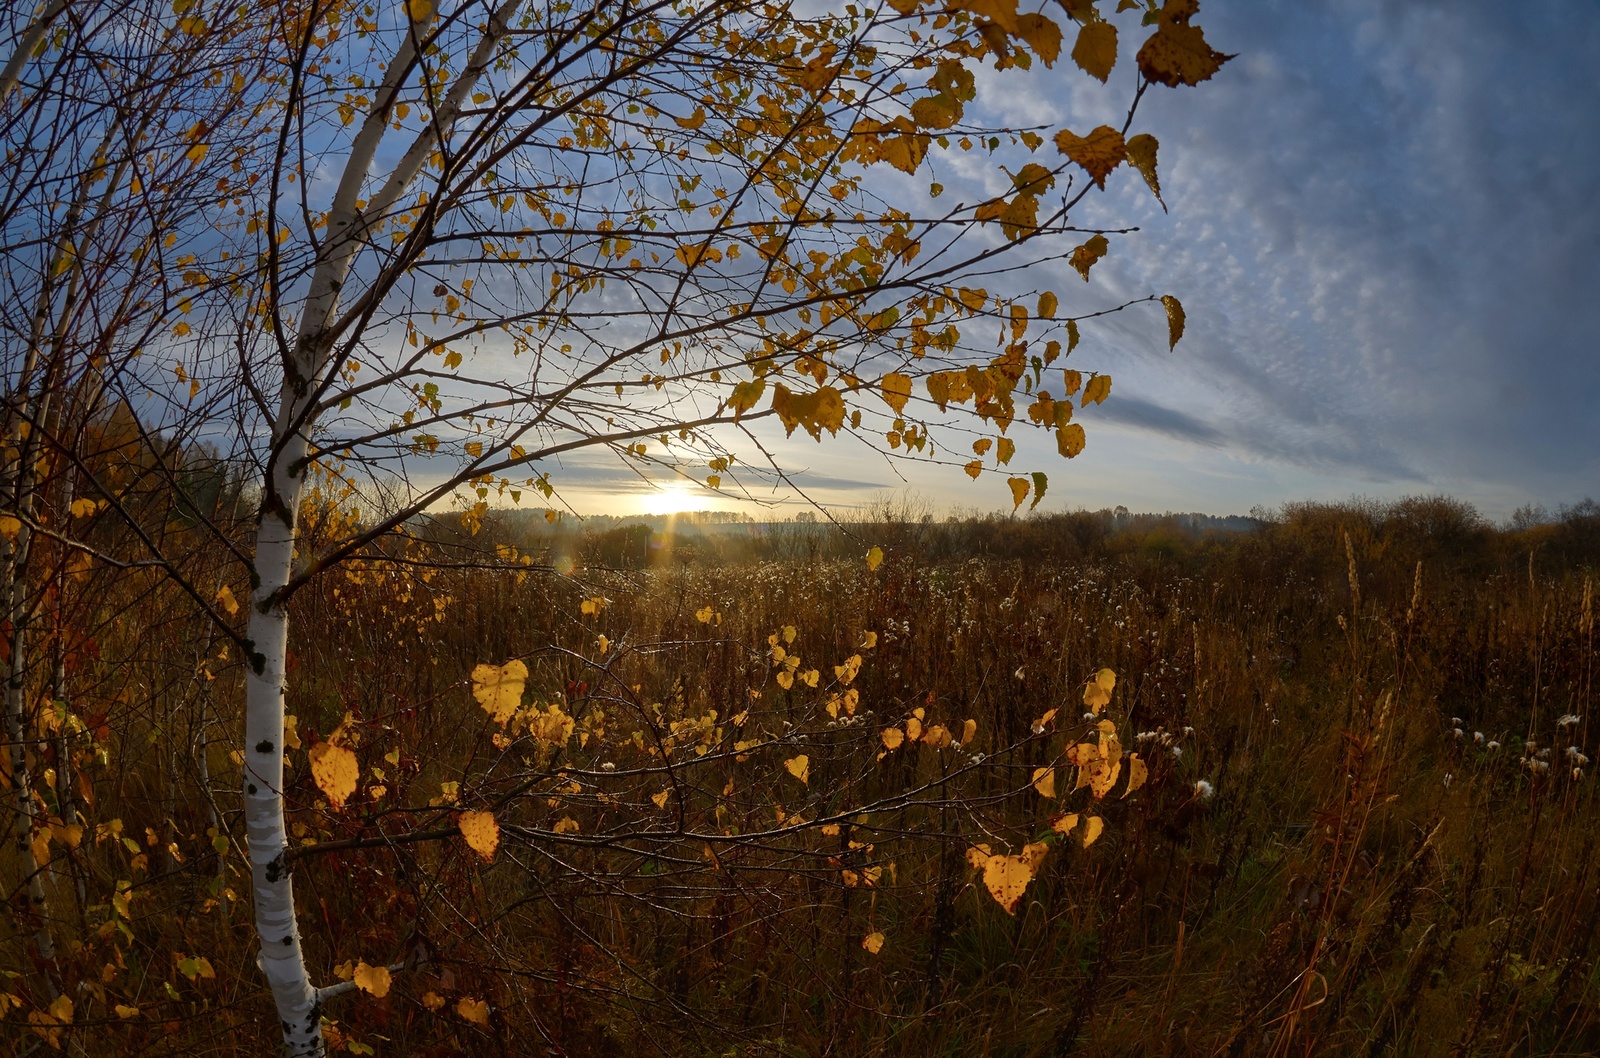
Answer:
(674, 497)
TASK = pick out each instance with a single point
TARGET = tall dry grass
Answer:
(1369, 828)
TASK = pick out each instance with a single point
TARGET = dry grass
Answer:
(1366, 877)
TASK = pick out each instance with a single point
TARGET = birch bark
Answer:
(281, 959)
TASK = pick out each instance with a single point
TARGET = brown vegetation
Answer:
(1369, 826)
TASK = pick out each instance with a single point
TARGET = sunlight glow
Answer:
(677, 497)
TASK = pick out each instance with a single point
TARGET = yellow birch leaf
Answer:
(10, 526)
(125, 1012)
(1047, 306)
(433, 1001)
(1096, 49)
(873, 942)
(1070, 440)
(874, 557)
(498, 688)
(913, 729)
(1177, 53)
(799, 767)
(335, 771)
(704, 615)
(197, 153)
(1098, 153)
(566, 825)
(661, 798)
(977, 856)
(1006, 877)
(974, 468)
(1138, 772)
(1103, 776)
(896, 388)
(1142, 156)
(474, 1010)
(1084, 257)
(1096, 390)
(693, 121)
(419, 10)
(1174, 320)
(969, 731)
(1091, 830)
(1001, 12)
(373, 979)
(481, 832)
(1019, 491)
(892, 737)
(1063, 824)
(1044, 780)
(1042, 35)
(225, 599)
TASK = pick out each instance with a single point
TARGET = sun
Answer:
(677, 497)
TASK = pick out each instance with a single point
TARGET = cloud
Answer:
(1386, 228)
(1146, 415)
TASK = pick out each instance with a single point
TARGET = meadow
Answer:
(1367, 828)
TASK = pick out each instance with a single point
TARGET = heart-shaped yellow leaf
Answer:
(498, 688)
(335, 770)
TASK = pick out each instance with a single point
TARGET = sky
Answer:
(1385, 228)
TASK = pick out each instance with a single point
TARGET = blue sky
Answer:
(1385, 226)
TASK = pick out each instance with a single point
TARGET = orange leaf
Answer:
(473, 1010)
(1174, 320)
(482, 832)
(1084, 257)
(1142, 156)
(1099, 152)
(335, 771)
(374, 979)
(1096, 49)
(1177, 53)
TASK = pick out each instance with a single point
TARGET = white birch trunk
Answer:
(299, 1003)
(280, 959)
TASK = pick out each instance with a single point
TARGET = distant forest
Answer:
(1425, 527)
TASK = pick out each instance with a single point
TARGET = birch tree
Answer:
(479, 240)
